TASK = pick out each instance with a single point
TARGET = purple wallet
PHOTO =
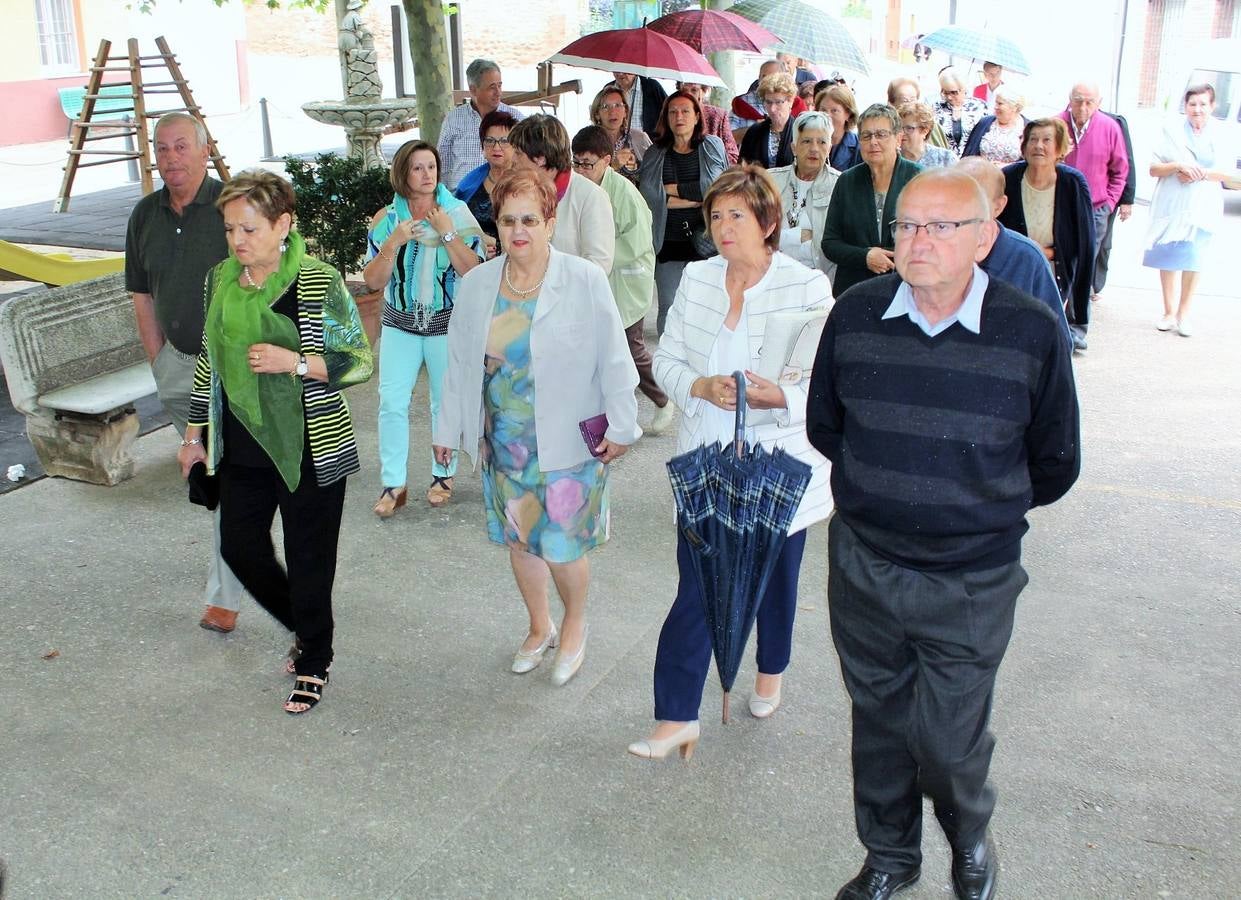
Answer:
(593, 431)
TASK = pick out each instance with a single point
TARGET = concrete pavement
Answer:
(150, 758)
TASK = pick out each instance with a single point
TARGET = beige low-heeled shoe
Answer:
(684, 739)
(762, 707)
(528, 660)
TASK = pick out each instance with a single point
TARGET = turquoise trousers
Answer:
(401, 357)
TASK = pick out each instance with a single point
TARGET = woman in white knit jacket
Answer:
(805, 191)
(716, 326)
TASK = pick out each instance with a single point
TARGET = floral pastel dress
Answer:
(557, 515)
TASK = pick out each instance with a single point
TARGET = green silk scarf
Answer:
(268, 405)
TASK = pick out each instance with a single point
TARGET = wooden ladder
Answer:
(138, 128)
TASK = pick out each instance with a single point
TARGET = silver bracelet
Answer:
(185, 443)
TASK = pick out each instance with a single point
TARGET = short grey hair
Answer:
(475, 71)
(812, 121)
(1011, 96)
(172, 118)
(881, 111)
(952, 76)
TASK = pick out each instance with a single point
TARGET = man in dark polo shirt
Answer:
(945, 402)
(175, 236)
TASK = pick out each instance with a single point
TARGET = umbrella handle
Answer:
(739, 442)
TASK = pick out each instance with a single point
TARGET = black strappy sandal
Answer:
(307, 689)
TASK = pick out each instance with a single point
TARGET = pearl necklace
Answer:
(518, 291)
(245, 270)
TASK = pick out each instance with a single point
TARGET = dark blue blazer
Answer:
(1072, 231)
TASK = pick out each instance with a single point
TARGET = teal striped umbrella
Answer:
(806, 31)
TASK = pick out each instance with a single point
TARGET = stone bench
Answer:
(75, 366)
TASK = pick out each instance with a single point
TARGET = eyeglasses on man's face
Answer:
(584, 165)
(495, 142)
(940, 231)
(529, 220)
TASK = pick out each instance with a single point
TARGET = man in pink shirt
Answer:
(1098, 153)
(994, 73)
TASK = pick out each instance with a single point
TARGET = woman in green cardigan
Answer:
(857, 235)
(282, 338)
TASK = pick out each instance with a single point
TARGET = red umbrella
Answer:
(639, 51)
(707, 30)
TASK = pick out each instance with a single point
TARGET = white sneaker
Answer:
(1167, 323)
(662, 418)
(1183, 329)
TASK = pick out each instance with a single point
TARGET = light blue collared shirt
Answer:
(969, 313)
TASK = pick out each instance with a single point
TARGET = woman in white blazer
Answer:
(553, 352)
(715, 327)
(805, 190)
(540, 143)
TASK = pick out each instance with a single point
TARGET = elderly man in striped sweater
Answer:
(946, 404)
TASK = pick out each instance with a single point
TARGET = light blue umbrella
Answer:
(957, 40)
(806, 31)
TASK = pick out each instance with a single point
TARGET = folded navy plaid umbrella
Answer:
(734, 508)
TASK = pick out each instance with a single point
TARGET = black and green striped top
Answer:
(329, 326)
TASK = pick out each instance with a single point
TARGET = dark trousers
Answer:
(684, 652)
(1104, 252)
(919, 652)
(301, 598)
(642, 360)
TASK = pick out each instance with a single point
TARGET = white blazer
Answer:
(578, 352)
(694, 324)
(584, 225)
(816, 206)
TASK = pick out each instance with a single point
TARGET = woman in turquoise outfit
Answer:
(554, 354)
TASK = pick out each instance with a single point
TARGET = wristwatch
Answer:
(449, 237)
(302, 366)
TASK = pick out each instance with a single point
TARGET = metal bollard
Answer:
(132, 162)
(268, 153)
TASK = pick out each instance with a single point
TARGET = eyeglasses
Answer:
(608, 107)
(529, 220)
(940, 231)
(951, 93)
(911, 129)
(586, 164)
(495, 142)
(874, 135)
(778, 101)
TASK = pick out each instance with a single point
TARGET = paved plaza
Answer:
(145, 757)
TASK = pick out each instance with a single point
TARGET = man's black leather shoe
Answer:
(974, 871)
(871, 884)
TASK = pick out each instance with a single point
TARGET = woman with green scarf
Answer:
(419, 246)
(282, 338)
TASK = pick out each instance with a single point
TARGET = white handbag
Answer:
(790, 344)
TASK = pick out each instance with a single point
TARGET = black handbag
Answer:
(204, 488)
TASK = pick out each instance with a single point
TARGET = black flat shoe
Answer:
(974, 871)
(871, 884)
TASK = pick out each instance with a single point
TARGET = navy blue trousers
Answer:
(684, 652)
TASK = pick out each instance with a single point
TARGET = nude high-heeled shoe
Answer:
(528, 660)
(762, 707)
(684, 739)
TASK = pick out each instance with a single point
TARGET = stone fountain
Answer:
(365, 114)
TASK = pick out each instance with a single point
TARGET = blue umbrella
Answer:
(958, 40)
(734, 508)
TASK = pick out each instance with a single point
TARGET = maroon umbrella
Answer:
(707, 30)
(639, 51)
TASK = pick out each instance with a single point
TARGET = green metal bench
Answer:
(114, 102)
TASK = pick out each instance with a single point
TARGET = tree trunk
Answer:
(428, 49)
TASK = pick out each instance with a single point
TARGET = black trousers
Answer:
(301, 598)
(919, 652)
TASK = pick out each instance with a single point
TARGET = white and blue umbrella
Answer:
(957, 40)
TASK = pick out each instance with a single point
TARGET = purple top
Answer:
(1100, 156)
